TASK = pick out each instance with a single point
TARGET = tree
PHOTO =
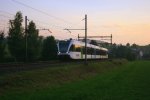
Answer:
(134, 46)
(130, 55)
(2, 46)
(33, 42)
(128, 45)
(16, 42)
(49, 51)
(121, 51)
(112, 51)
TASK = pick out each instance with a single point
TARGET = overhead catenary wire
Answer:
(6, 12)
(54, 31)
(38, 10)
(45, 13)
(4, 16)
(48, 24)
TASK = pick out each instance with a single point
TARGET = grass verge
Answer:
(98, 81)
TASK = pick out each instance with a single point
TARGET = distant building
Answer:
(140, 54)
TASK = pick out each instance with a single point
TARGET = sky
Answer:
(127, 20)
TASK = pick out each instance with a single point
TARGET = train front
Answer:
(63, 50)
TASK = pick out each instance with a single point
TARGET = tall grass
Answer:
(98, 81)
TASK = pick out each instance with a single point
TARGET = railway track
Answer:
(18, 67)
(35, 64)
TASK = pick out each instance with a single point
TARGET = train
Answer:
(75, 50)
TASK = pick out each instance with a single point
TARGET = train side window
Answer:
(83, 49)
(77, 48)
(88, 50)
(102, 52)
(97, 52)
(93, 52)
(72, 48)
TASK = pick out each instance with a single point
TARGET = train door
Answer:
(82, 52)
(94, 53)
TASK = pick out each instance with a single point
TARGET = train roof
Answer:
(88, 45)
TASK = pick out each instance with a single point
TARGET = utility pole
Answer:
(85, 29)
(86, 40)
(111, 39)
(26, 43)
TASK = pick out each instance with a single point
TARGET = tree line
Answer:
(124, 51)
(130, 52)
(13, 47)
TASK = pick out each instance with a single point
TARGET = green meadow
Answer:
(108, 80)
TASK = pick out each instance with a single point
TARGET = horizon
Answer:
(127, 20)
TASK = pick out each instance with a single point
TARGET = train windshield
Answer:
(63, 46)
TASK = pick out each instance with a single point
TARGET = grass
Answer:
(98, 81)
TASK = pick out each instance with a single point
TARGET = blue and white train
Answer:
(73, 49)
